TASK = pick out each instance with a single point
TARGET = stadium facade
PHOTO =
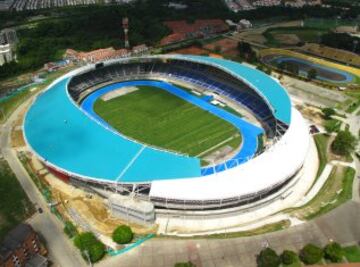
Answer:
(82, 149)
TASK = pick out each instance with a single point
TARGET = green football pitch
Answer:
(155, 117)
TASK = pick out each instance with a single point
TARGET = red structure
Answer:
(62, 176)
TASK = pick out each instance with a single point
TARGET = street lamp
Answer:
(86, 252)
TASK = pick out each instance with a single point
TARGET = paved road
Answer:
(61, 251)
(341, 225)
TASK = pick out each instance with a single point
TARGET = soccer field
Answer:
(156, 117)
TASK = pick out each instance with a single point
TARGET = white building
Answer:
(6, 54)
(132, 209)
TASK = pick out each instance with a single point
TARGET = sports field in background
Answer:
(156, 117)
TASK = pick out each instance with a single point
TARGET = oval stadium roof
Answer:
(270, 89)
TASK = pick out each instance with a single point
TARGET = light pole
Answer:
(86, 252)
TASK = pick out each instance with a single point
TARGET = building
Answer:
(244, 24)
(6, 54)
(8, 40)
(132, 209)
(139, 49)
(6, 4)
(22, 246)
(53, 66)
(8, 36)
(201, 28)
(104, 54)
(159, 175)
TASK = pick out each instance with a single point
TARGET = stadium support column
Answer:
(125, 24)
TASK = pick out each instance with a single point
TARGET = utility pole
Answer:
(125, 24)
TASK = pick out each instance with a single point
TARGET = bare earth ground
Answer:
(287, 39)
(192, 50)
(226, 46)
(311, 113)
(90, 207)
(17, 138)
(256, 35)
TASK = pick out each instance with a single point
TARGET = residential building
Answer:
(20, 246)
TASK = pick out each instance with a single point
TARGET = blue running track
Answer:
(248, 131)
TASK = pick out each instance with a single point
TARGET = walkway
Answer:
(61, 250)
(241, 252)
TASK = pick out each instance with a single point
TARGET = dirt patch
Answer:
(191, 50)
(94, 210)
(253, 37)
(311, 113)
(287, 39)
(17, 139)
(225, 46)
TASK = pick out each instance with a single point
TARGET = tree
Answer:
(70, 229)
(328, 112)
(311, 254)
(334, 252)
(312, 74)
(344, 143)
(264, 69)
(289, 257)
(293, 68)
(268, 258)
(246, 52)
(89, 246)
(184, 264)
(122, 234)
(332, 126)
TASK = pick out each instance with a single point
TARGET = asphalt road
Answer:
(61, 251)
(341, 225)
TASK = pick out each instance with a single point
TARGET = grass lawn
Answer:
(156, 117)
(272, 227)
(321, 142)
(327, 24)
(336, 191)
(9, 105)
(352, 253)
(14, 203)
(333, 125)
(305, 34)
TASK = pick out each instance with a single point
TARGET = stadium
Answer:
(177, 165)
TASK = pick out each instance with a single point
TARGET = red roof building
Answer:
(183, 30)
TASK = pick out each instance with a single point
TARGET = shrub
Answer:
(311, 254)
(184, 264)
(96, 251)
(122, 234)
(312, 74)
(328, 112)
(344, 143)
(334, 252)
(268, 258)
(289, 257)
(332, 125)
(70, 229)
(90, 246)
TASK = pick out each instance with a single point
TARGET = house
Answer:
(20, 246)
